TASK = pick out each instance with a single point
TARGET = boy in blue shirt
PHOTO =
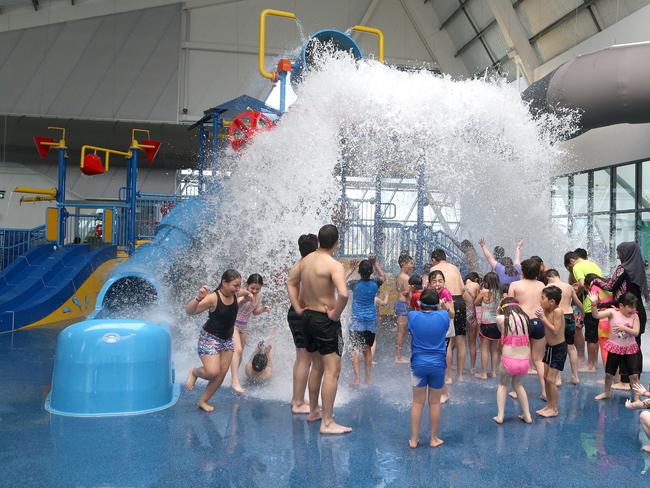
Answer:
(428, 329)
(363, 325)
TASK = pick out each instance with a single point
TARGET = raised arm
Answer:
(293, 288)
(203, 301)
(594, 308)
(520, 244)
(614, 281)
(378, 269)
(487, 253)
(338, 279)
(354, 264)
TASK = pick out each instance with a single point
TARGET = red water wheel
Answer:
(244, 127)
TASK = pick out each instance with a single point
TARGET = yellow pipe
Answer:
(104, 150)
(36, 191)
(61, 143)
(263, 15)
(37, 199)
(376, 32)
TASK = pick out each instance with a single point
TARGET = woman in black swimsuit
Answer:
(215, 342)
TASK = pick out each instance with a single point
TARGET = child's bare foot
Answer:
(368, 380)
(356, 383)
(460, 378)
(548, 412)
(435, 442)
(237, 388)
(602, 396)
(314, 416)
(525, 418)
(444, 398)
(191, 380)
(448, 381)
(587, 369)
(334, 429)
(498, 420)
(574, 380)
(539, 411)
(413, 443)
(206, 406)
(401, 360)
(481, 376)
(646, 448)
(513, 395)
(301, 408)
(532, 371)
(621, 386)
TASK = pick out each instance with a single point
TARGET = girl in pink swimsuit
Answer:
(512, 322)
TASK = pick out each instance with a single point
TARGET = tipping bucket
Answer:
(324, 39)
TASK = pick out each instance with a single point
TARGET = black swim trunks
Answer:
(628, 363)
(569, 329)
(297, 328)
(360, 340)
(536, 329)
(555, 356)
(591, 328)
(321, 333)
(460, 317)
(490, 331)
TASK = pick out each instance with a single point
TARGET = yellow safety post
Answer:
(107, 226)
(273, 76)
(376, 32)
(52, 224)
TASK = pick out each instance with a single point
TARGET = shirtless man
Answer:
(406, 266)
(528, 292)
(307, 243)
(569, 297)
(454, 283)
(318, 293)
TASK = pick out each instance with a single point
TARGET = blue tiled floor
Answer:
(249, 442)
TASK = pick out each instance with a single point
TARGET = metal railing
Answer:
(150, 209)
(16, 242)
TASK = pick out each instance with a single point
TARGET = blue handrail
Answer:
(16, 242)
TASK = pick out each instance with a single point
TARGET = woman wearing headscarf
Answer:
(628, 277)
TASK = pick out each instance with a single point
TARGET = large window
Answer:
(601, 208)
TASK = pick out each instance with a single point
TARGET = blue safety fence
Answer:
(150, 209)
(16, 242)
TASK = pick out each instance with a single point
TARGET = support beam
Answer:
(515, 36)
(418, 30)
(561, 20)
(451, 16)
(35, 4)
(372, 6)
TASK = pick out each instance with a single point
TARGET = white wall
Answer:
(78, 187)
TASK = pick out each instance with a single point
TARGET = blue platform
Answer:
(249, 442)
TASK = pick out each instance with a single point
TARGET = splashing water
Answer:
(475, 140)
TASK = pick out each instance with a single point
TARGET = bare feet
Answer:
(481, 376)
(587, 369)
(497, 420)
(237, 389)
(460, 378)
(621, 386)
(413, 443)
(206, 406)
(334, 429)
(191, 380)
(302, 408)
(435, 442)
(448, 381)
(532, 371)
(314, 416)
(401, 360)
(527, 419)
(602, 396)
(356, 383)
(574, 380)
(513, 395)
(547, 412)
(646, 448)
(444, 398)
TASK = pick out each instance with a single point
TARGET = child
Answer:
(437, 283)
(406, 266)
(363, 325)
(552, 317)
(512, 322)
(489, 298)
(254, 285)
(569, 296)
(605, 300)
(215, 344)
(472, 289)
(428, 329)
(622, 349)
(415, 282)
(260, 367)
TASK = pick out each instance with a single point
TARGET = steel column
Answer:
(60, 196)
(420, 229)
(201, 157)
(377, 238)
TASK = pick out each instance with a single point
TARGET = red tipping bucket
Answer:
(93, 165)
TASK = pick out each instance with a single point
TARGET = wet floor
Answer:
(250, 442)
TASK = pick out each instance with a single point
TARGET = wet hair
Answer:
(589, 278)
(465, 244)
(416, 281)
(228, 276)
(255, 279)
(473, 276)
(582, 253)
(530, 269)
(328, 235)
(307, 243)
(538, 259)
(435, 273)
(438, 254)
(365, 269)
(498, 252)
(509, 266)
(570, 256)
(552, 273)
(554, 293)
(429, 298)
(628, 300)
(404, 258)
(491, 283)
(260, 361)
(515, 320)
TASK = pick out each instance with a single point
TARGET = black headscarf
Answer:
(630, 255)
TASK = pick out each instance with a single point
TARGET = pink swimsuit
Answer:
(515, 366)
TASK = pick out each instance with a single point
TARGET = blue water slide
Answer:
(42, 280)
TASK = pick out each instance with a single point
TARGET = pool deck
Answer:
(248, 442)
